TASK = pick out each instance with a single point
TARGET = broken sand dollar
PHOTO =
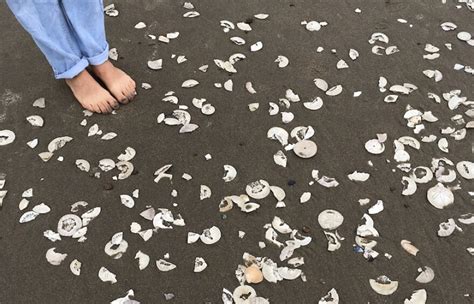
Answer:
(58, 143)
(332, 297)
(164, 265)
(282, 61)
(155, 64)
(383, 285)
(199, 264)
(334, 91)
(83, 165)
(330, 219)
(208, 109)
(440, 196)
(35, 120)
(6, 137)
(75, 267)
(258, 189)
(190, 83)
(243, 294)
(106, 276)
(425, 275)
(229, 173)
(69, 224)
(417, 297)
(211, 235)
(55, 258)
(305, 148)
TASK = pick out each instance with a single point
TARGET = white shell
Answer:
(106, 276)
(6, 137)
(466, 169)
(257, 46)
(383, 285)
(83, 165)
(143, 260)
(35, 120)
(374, 146)
(39, 103)
(68, 224)
(155, 64)
(358, 176)
(205, 192)
(426, 275)
(127, 200)
(199, 264)
(211, 235)
(258, 189)
(305, 148)
(140, 25)
(305, 197)
(190, 83)
(279, 225)
(282, 61)
(106, 164)
(229, 173)
(164, 265)
(58, 143)
(280, 134)
(55, 258)
(330, 219)
(417, 297)
(75, 267)
(243, 294)
(331, 298)
(314, 105)
(28, 216)
(439, 196)
(334, 91)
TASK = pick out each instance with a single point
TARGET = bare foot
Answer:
(90, 94)
(117, 81)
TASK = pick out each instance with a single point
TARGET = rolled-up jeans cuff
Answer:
(80, 66)
(101, 58)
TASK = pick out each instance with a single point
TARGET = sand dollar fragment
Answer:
(6, 137)
(383, 285)
(211, 235)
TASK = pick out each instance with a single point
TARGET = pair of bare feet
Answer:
(93, 97)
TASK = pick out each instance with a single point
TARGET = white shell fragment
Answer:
(6, 137)
(383, 285)
(55, 258)
(211, 235)
(106, 276)
(75, 267)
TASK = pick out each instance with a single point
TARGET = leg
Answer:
(45, 22)
(86, 19)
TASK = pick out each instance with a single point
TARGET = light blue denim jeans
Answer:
(70, 33)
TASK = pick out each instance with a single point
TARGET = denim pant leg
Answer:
(45, 22)
(86, 19)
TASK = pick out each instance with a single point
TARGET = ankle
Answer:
(107, 65)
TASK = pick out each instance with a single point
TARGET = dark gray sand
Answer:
(236, 136)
